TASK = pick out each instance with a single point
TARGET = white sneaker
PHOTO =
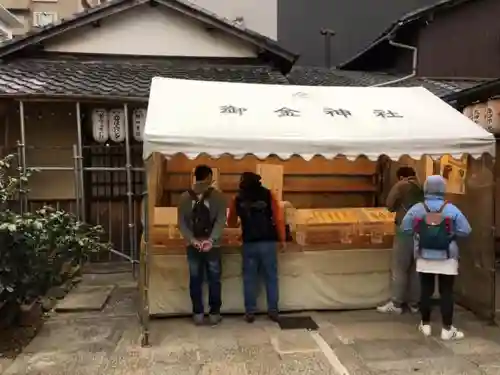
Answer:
(414, 309)
(425, 329)
(451, 334)
(390, 308)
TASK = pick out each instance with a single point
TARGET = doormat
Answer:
(297, 322)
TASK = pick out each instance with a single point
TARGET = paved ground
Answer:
(358, 343)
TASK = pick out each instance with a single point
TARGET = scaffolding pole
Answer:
(128, 170)
(144, 266)
(77, 181)
(79, 164)
(23, 201)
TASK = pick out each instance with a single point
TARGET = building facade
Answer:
(258, 15)
(453, 39)
(58, 78)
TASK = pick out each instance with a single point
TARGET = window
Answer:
(41, 19)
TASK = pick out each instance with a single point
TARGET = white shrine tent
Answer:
(215, 118)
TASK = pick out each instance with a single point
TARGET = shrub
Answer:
(35, 246)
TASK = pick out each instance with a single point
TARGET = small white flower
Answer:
(11, 227)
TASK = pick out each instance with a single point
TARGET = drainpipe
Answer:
(327, 37)
(413, 65)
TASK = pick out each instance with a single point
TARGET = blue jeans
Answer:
(203, 264)
(260, 258)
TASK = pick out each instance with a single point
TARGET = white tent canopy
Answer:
(215, 118)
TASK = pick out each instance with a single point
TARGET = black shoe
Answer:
(249, 318)
(274, 316)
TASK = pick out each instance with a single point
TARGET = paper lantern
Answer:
(100, 125)
(139, 120)
(493, 116)
(479, 114)
(116, 122)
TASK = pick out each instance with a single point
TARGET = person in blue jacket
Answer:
(435, 225)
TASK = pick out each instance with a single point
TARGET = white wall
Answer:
(151, 31)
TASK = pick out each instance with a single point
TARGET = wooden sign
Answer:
(272, 178)
(164, 216)
(454, 171)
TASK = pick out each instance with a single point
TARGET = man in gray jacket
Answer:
(201, 220)
(405, 283)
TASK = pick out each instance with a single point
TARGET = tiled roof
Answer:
(132, 78)
(479, 93)
(127, 79)
(314, 76)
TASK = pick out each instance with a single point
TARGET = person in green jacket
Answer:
(405, 285)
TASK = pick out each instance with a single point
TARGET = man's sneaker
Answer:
(249, 318)
(274, 316)
(390, 308)
(451, 334)
(425, 329)
(199, 319)
(413, 309)
(214, 319)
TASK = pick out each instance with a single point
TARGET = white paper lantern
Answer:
(479, 114)
(100, 125)
(493, 116)
(139, 120)
(117, 125)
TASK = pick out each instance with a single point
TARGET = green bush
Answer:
(35, 246)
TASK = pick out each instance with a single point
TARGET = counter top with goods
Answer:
(311, 229)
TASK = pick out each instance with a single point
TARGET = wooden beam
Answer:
(293, 184)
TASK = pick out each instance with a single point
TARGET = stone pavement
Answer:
(355, 342)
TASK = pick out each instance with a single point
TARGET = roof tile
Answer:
(129, 78)
(316, 76)
(117, 78)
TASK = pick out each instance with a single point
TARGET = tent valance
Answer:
(216, 118)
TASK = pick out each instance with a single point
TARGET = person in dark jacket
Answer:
(263, 228)
(405, 283)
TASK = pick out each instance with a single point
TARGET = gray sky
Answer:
(356, 22)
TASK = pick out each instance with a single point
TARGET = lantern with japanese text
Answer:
(479, 114)
(493, 116)
(100, 125)
(139, 120)
(117, 125)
